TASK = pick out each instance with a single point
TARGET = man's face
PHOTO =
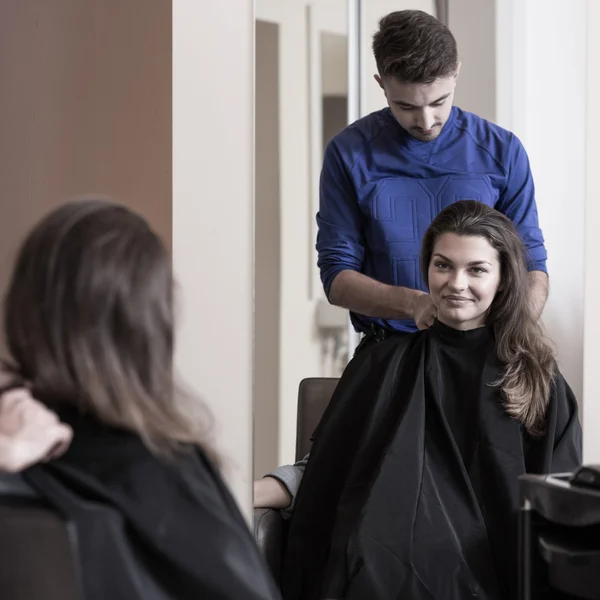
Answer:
(422, 109)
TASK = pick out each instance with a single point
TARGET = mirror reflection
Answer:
(430, 238)
(301, 103)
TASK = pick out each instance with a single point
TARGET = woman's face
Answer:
(464, 276)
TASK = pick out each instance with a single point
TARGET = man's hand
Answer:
(29, 432)
(424, 311)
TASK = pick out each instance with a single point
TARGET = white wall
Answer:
(591, 403)
(213, 100)
(542, 89)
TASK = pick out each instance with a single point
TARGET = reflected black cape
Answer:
(149, 530)
(411, 489)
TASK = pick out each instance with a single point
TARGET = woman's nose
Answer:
(458, 281)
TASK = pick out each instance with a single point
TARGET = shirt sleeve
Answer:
(291, 477)
(517, 202)
(340, 244)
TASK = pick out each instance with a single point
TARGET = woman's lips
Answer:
(457, 300)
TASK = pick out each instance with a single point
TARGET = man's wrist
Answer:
(413, 297)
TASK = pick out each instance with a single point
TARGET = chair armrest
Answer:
(268, 533)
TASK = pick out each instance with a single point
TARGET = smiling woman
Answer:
(447, 419)
(464, 275)
(488, 283)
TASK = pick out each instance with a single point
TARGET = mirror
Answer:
(314, 75)
(314, 70)
(301, 102)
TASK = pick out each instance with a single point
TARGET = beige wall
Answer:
(267, 240)
(473, 24)
(85, 107)
(213, 102)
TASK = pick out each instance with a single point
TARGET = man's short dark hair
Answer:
(414, 47)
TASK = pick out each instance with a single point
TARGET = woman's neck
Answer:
(462, 325)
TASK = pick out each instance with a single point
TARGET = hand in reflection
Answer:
(29, 432)
(425, 311)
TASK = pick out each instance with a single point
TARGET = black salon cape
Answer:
(411, 489)
(147, 530)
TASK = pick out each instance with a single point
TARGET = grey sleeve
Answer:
(291, 477)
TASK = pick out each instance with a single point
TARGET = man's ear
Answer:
(378, 80)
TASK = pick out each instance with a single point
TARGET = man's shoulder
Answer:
(489, 137)
(480, 128)
(355, 137)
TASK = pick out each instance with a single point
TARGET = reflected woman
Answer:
(411, 489)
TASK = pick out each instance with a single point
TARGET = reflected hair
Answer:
(414, 47)
(529, 362)
(89, 324)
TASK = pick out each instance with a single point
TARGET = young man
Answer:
(385, 178)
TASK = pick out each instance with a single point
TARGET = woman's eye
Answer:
(479, 270)
(441, 265)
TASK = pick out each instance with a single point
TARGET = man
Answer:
(385, 178)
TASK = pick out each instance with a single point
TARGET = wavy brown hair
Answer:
(88, 320)
(414, 47)
(530, 364)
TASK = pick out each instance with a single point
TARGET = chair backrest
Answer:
(559, 546)
(37, 550)
(314, 395)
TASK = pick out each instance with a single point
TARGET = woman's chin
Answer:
(461, 318)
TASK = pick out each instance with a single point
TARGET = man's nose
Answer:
(426, 120)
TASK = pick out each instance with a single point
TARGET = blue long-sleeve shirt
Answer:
(381, 189)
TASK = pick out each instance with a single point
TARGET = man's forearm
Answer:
(538, 286)
(363, 295)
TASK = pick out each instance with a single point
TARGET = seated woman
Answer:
(411, 489)
(89, 326)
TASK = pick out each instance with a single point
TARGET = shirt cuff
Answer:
(289, 476)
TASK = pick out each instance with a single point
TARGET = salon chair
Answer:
(37, 552)
(559, 538)
(314, 395)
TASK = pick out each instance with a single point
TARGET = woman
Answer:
(411, 488)
(89, 325)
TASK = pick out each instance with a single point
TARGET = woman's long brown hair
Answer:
(89, 323)
(530, 364)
